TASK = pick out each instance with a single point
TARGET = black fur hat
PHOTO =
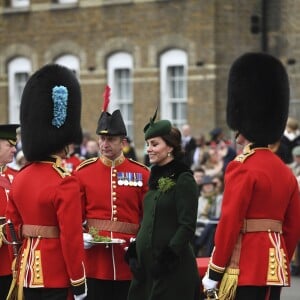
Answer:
(50, 112)
(258, 97)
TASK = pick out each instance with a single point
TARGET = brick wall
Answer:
(212, 33)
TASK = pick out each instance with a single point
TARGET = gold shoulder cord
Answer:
(247, 152)
(61, 171)
(138, 163)
(87, 162)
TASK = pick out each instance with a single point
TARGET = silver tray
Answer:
(112, 241)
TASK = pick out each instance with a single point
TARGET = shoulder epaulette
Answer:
(138, 163)
(247, 152)
(87, 162)
(61, 171)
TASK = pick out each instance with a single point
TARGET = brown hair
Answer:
(173, 139)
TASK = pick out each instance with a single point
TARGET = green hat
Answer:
(8, 132)
(158, 128)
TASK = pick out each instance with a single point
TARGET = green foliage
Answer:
(165, 183)
(96, 237)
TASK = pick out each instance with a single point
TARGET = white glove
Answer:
(132, 239)
(86, 239)
(209, 284)
(80, 297)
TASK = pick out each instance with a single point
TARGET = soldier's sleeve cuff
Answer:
(215, 272)
(78, 286)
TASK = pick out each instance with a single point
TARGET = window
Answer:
(120, 80)
(20, 80)
(69, 61)
(173, 71)
(176, 86)
(294, 109)
(20, 3)
(18, 74)
(67, 1)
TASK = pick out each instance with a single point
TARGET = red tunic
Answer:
(72, 162)
(43, 194)
(258, 186)
(7, 176)
(112, 191)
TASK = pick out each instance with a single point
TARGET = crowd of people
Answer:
(81, 218)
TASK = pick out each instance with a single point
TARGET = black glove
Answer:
(164, 263)
(130, 252)
(131, 258)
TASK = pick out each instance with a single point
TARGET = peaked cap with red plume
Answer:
(110, 124)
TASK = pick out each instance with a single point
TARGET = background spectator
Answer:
(209, 207)
(128, 149)
(289, 140)
(295, 165)
(188, 145)
(199, 152)
(20, 160)
(213, 162)
(198, 176)
(92, 148)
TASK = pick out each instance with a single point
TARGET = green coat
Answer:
(169, 222)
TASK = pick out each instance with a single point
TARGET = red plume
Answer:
(106, 95)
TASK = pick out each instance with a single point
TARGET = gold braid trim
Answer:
(22, 269)
(86, 162)
(230, 278)
(79, 281)
(2, 236)
(13, 290)
(138, 163)
(216, 268)
(229, 284)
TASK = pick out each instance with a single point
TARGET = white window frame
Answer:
(20, 3)
(70, 61)
(66, 1)
(16, 66)
(121, 61)
(294, 109)
(173, 58)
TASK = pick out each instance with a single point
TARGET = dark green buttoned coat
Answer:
(169, 222)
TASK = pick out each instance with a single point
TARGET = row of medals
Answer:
(130, 179)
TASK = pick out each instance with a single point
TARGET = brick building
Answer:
(174, 54)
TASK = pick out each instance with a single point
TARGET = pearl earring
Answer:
(169, 154)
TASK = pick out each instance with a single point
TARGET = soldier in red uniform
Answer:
(72, 160)
(259, 225)
(113, 190)
(8, 141)
(44, 202)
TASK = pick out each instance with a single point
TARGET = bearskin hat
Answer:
(258, 98)
(50, 112)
